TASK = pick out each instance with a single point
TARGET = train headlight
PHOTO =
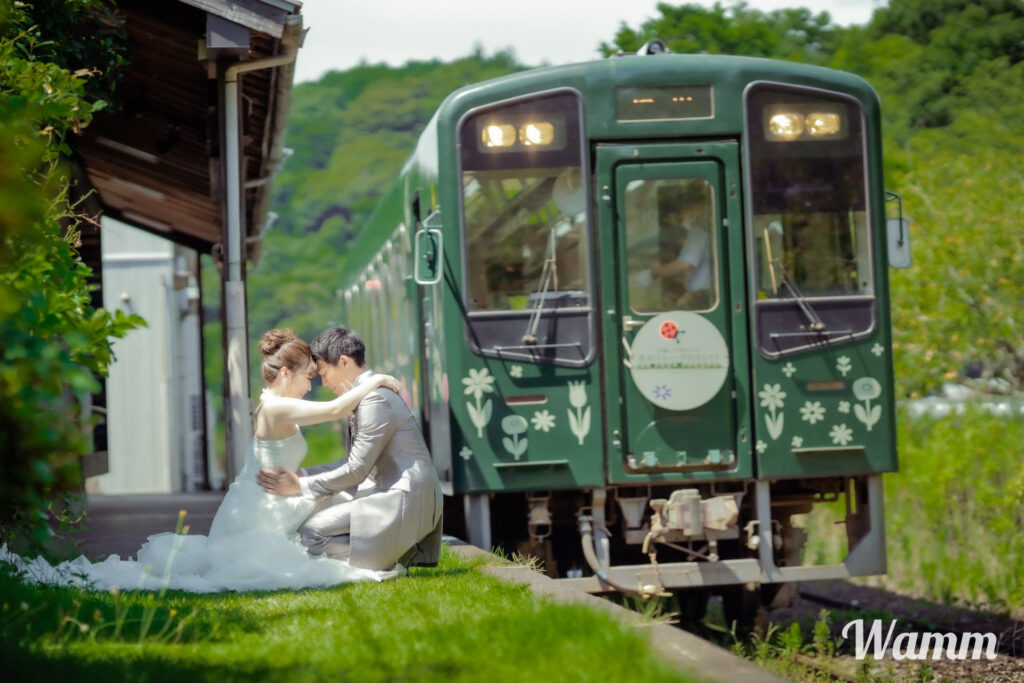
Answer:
(499, 135)
(785, 125)
(821, 124)
(534, 133)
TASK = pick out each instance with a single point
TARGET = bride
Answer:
(253, 543)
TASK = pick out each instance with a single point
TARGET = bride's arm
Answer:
(301, 412)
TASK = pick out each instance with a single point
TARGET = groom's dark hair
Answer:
(335, 342)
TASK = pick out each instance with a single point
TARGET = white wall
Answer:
(150, 433)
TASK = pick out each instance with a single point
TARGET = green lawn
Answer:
(449, 623)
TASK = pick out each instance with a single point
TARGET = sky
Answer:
(344, 32)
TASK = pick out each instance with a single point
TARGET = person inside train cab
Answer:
(686, 215)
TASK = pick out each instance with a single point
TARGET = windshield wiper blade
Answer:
(815, 323)
(548, 278)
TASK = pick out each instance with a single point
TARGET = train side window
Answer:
(526, 243)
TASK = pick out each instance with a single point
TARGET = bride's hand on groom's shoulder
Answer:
(391, 383)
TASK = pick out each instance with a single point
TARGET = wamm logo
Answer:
(919, 645)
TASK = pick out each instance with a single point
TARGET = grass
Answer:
(953, 513)
(452, 623)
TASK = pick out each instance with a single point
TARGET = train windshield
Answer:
(808, 190)
(525, 240)
(524, 201)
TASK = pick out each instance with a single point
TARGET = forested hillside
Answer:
(951, 79)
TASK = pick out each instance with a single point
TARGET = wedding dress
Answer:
(253, 544)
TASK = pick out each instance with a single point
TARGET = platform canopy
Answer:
(156, 159)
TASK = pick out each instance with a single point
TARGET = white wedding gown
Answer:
(253, 544)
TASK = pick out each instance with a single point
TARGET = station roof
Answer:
(155, 159)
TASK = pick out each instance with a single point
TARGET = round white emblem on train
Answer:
(680, 360)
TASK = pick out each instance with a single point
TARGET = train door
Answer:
(676, 347)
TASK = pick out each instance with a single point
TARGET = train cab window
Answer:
(670, 245)
(809, 222)
(527, 253)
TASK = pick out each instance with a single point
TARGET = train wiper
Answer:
(548, 279)
(815, 323)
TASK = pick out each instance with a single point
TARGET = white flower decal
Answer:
(516, 371)
(543, 421)
(514, 425)
(844, 407)
(877, 349)
(773, 398)
(841, 435)
(866, 389)
(797, 442)
(789, 370)
(761, 446)
(812, 411)
(478, 383)
(579, 420)
(466, 453)
(843, 365)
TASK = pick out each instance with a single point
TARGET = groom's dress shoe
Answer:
(426, 552)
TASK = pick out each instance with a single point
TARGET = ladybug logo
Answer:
(669, 330)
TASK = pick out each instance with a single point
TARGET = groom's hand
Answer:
(280, 481)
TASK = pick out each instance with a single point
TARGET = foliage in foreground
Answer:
(449, 623)
(953, 513)
(54, 340)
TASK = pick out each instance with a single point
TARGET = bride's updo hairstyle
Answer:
(282, 349)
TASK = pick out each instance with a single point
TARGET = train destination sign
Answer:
(664, 103)
(679, 360)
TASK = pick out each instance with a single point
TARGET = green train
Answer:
(641, 308)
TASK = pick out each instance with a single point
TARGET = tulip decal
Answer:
(579, 419)
(867, 389)
(513, 426)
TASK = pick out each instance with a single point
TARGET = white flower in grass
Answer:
(516, 371)
(843, 365)
(812, 411)
(844, 407)
(877, 349)
(797, 442)
(761, 446)
(543, 421)
(841, 435)
(789, 370)
(478, 383)
(772, 396)
(466, 453)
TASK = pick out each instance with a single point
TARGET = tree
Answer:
(54, 341)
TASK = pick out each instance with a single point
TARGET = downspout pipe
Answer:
(239, 422)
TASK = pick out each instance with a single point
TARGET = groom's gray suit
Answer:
(382, 504)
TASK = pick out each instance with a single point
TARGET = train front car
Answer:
(664, 318)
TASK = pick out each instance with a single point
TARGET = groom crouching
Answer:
(382, 504)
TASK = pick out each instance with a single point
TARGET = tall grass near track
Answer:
(954, 512)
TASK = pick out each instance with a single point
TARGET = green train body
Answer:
(563, 389)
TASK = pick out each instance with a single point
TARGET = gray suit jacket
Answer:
(388, 478)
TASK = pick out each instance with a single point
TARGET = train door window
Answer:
(527, 251)
(809, 217)
(671, 253)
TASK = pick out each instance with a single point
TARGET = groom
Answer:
(382, 504)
